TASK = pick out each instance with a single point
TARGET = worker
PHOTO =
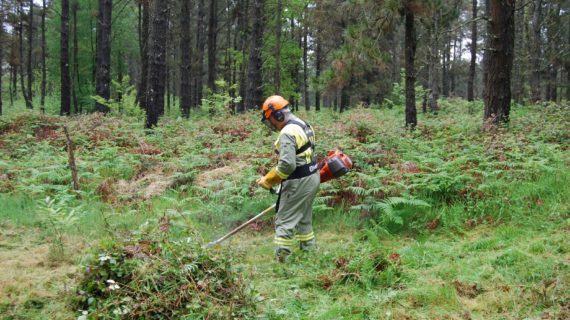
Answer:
(297, 174)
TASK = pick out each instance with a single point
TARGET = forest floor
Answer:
(492, 245)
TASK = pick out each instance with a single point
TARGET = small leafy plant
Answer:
(58, 218)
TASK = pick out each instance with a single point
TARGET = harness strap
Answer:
(308, 131)
(303, 171)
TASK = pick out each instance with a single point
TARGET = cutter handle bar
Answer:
(238, 229)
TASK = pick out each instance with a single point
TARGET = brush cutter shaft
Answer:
(238, 229)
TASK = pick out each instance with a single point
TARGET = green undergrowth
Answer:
(153, 274)
(450, 220)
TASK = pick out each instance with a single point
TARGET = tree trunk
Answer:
(74, 84)
(278, 27)
(156, 62)
(103, 76)
(318, 57)
(254, 91)
(554, 49)
(144, 30)
(30, 48)
(567, 82)
(1, 49)
(71, 159)
(344, 100)
(486, 48)
(298, 37)
(65, 94)
(185, 58)
(243, 18)
(519, 64)
(452, 68)
(169, 58)
(433, 59)
(44, 67)
(27, 98)
(93, 46)
(13, 84)
(536, 52)
(500, 61)
(473, 49)
(167, 81)
(231, 40)
(409, 55)
(199, 58)
(305, 66)
(212, 42)
(445, 66)
(552, 85)
(228, 59)
(120, 74)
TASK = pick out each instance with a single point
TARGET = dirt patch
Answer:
(208, 178)
(147, 149)
(46, 132)
(147, 186)
(433, 224)
(468, 290)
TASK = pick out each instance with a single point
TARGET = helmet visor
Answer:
(266, 122)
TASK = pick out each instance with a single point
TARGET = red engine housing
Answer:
(334, 165)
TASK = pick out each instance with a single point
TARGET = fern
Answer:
(390, 208)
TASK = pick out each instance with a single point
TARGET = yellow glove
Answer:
(269, 180)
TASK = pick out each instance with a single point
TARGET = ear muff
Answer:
(277, 115)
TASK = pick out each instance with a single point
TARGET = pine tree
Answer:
(1, 49)
(473, 50)
(278, 27)
(157, 62)
(30, 71)
(409, 54)
(44, 66)
(144, 21)
(27, 97)
(499, 60)
(103, 75)
(212, 45)
(254, 91)
(198, 73)
(185, 58)
(65, 94)
(536, 52)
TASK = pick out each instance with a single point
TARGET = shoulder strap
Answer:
(308, 131)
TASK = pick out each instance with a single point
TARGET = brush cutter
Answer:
(334, 165)
(238, 229)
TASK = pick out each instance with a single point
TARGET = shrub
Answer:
(153, 276)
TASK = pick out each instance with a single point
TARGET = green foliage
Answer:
(497, 203)
(397, 96)
(221, 101)
(392, 210)
(153, 275)
(58, 217)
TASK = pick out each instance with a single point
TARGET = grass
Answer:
(491, 245)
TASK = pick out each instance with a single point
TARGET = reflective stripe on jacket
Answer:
(291, 138)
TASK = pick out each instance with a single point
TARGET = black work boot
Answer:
(309, 245)
(282, 254)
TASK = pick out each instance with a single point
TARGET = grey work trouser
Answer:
(295, 212)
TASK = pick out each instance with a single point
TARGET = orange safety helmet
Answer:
(271, 106)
